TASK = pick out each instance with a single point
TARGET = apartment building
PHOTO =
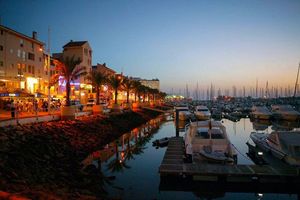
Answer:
(152, 83)
(22, 62)
(79, 88)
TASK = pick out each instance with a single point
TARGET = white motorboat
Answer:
(183, 113)
(285, 112)
(284, 145)
(202, 113)
(208, 140)
(260, 112)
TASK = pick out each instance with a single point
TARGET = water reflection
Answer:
(134, 163)
(117, 153)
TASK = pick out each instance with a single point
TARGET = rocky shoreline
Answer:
(43, 161)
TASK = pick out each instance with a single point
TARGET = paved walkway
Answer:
(6, 115)
(29, 117)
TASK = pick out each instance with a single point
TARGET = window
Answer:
(1, 48)
(24, 67)
(90, 53)
(40, 59)
(32, 69)
(29, 68)
(30, 56)
(19, 69)
(32, 46)
(24, 56)
(1, 63)
(19, 53)
(21, 42)
(86, 52)
(1, 32)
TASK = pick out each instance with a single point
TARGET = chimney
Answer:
(34, 35)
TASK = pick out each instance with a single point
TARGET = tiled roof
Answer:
(20, 34)
(74, 44)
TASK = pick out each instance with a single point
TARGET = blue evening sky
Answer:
(180, 42)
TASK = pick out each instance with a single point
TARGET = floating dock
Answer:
(173, 165)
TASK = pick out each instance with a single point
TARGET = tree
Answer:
(116, 83)
(128, 86)
(97, 79)
(69, 68)
(154, 92)
(136, 86)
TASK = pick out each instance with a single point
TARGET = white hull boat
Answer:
(260, 112)
(208, 141)
(284, 145)
(202, 113)
(285, 112)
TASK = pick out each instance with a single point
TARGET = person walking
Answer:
(12, 109)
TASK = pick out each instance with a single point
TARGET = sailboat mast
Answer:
(296, 81)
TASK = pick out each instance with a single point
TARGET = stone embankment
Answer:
(43, 160)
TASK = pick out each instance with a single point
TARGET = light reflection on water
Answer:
(134, 161)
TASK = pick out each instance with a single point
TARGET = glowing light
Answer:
(105, 88)
(30, 83)
(260, 153)
(82, 94)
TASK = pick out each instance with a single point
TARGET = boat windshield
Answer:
(203, 133)
(217, 134)
(183, 109)
(203, 110)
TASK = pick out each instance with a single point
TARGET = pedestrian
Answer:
(12, 109)
(35, 107)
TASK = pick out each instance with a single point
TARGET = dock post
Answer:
(177, 122)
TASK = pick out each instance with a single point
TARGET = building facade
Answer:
(22, 64)
(81, 88)
(153, 83)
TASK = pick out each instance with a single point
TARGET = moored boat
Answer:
(183, 113)
(202, 113)
(161, 142)
(284, 145)
(285, 112)
(208, 141)
(260, 112)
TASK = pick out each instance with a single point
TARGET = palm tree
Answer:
(135, 87)
(97, 79)
(128, 85)
(69, 69)
(154, 92)
(116, 83)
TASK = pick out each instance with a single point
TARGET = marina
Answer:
(169, 175)
(150, 100)
(173, 164)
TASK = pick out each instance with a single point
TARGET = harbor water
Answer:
(130, 164)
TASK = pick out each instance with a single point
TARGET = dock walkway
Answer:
(173, 165)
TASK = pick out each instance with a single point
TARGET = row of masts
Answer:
(211, 92)
(258, 92)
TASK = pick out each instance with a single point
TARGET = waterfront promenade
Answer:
(29, 117)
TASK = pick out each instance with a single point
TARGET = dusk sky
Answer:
(179, 42)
